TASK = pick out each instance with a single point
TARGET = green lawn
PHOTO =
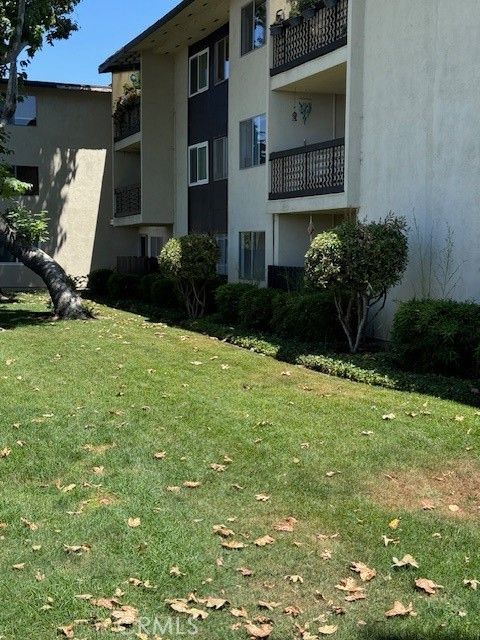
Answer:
(86, 406)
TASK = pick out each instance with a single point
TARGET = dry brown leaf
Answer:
(219, 468)
(175, 571)
(328, 630)
(239, 613)
(428, 586)
(262, 497)
(213, 603)
(366, 574)
(353, 597)
(472, 584)
(428, 505)
(259, 631)
(399, 609)
(30, 525)
(126, 616)
(394, 524)
(77, 549)
(264, 541)
(294, 579)
(453, 508)
(160, 455)
(233, 544)
(67, 631)
(349, 585)
(4, 453)
(389, 416)
(188, 484)
(19, 567)
(222, 531)
(286, 525)
(270, 606)
(246, 573)
(406, 561)
(293, 611)
(134, 523)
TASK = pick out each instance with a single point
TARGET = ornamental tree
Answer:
(25, 25)
(191, 262)
(358, 262)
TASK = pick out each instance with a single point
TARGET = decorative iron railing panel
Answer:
(311, 38)
(307, 171)
(128, 201)
(128, 122)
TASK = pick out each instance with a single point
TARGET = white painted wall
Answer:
(247, 188)
(420, 143)
(181, 142)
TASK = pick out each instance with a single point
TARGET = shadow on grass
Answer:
(436, 633)
(11, 317)
(372, 368)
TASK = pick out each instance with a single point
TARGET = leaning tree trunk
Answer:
(67, 303)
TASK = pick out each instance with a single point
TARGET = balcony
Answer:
(127, 120)
(311, 170)
(295, 44)
(128, 201)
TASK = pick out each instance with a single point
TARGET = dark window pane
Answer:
(193, 166)
(203, 71)
(30, 175)
(260, 28)
(245, 256)
(222, 65)
(246, 148)
(247, 27)
(25, 113)
(258, 266)
(193, 76)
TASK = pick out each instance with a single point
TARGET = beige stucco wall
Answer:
(420, 144)
(71, 146)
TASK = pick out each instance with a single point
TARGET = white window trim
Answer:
(199, 182)
(217, 82)
(198, 55)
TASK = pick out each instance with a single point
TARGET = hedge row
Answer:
(152, 288)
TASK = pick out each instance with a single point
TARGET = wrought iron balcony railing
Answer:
(128, 201)
(310, 170)
(127, 122)
(310, 38)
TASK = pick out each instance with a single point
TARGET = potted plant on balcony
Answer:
(295, 18)
(125, 103)
(276, 29)
(308, 8)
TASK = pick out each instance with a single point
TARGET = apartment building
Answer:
(60, 138)
(265, 131)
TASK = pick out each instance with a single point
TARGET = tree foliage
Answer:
(359, 262)
(191, 261)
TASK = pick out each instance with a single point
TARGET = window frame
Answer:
(150, 245)
(222, 265)
(200, 145)
(32, 123)
(242, 277)
(244, 51)
(224, 141)
(254, 145)
(196, 56)
(216, 80)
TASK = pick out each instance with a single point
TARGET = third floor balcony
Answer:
(127, 118)
(318, 31)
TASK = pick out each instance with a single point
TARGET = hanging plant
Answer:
(131, 98)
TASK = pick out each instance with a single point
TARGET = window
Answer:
(199, 64)
(254, 26)
(222, 60)
(252, 256)
(30, 175)
(253, 142)
(198, 164)
(220, 159)
(143, 246)
(25, 113)
(222, 265)
(156, 246)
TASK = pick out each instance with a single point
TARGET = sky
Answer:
(104, 27)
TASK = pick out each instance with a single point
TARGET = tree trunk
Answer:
(67, 303)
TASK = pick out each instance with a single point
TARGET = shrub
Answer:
(123, 286)
(227, 300)
(358, 262)
(163, 292)
(146, 283)
(308, 317)
(256, 307)
(439, 336)
(98, 282)
(191, 261)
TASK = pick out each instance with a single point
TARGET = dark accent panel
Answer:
(207, 120)
(208, 206)
(136, 265)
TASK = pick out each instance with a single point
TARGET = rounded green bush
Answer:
(123, 286)
(256, 307)
(307, 317)
(163, 292)
(98, 282)
(227, 300)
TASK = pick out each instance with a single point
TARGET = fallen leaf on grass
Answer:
(213, 603)
(389, 416)
(30, 525)
(246, 573)
(233, 545)
(472, 584)
(239, 613)
(270, 606)
(19, 567)
(264, 541)
(181, 606)
(453, 508)
(394, 524)
(222, 531)
(294, 579)
(349, 585)
(77, 549)
(188, 484)
(262, 631)
(134, 523)
(406, 561)
(144, 584)
(328, 630)
(399, 609)
(262, 497)
(293, 611)
(428, 505)
(126, 616)
(366, 574)
(160, 455)
(176, 573)
(4, 453)
(67, 631)
(219, 468)
(286, 525)
(428, 586)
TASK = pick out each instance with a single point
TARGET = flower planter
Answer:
(277, 29)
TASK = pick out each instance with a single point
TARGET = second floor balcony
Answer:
(127, 119)
(310, 170)
(128, 201)
(302, 39)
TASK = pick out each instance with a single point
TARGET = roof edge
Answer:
(110, 63)
(67, 86)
